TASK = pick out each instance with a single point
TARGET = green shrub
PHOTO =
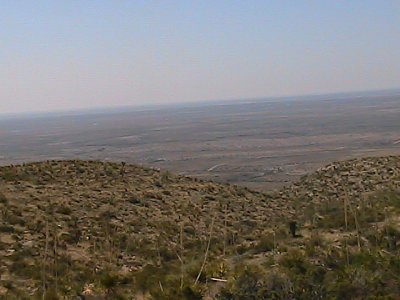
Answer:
(295, 261)
(247, 285)
(109, 281)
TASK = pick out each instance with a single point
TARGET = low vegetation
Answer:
(118, 231)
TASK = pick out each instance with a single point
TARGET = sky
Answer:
(61, 55)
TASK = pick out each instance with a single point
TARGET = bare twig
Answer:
(225, 228)
(345, 201)
(354, 212)
(207, 250)
(181, 256)
(44, 262)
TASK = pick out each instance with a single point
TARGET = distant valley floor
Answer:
(260, 144)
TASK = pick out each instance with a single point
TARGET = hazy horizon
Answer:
(155, 106)
(60, 56)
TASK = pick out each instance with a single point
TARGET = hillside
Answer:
(120, 231)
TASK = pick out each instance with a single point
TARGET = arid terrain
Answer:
(259, 144)
(199, 150)
(119, 231)
(77, 219)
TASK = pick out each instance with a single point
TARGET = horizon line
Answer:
(209, 102)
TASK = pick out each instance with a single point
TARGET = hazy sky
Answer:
(74, 54)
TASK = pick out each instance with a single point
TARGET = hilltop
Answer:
(122, 231)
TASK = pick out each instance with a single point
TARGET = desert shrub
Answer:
(392, 236)
(130, 245)
(24, 269)
(9, 175)
(22, 253)
(241, 191)
(353, 283)
(247, 285)
(273, 285)
(332, 215)
(191, 293)
(35, 225)
(335, 258)
(51, 294)
(3, 246)
(146, 249)
(281, 233)
(265, 244)
(295, 262)
(6, 229)
(370, 214)
(167, 254)
(63, 265)
(13, 219)
(148, 277)
(174, 291)
(365, 259)
(388, 198)
(66, 237)
(64, 209)
(71, 237)
(80, 274)
(247, 223)
(189, 230)
(152, 195)
(316, 240)
(192, 270)
(107, 215)
(373, 236)
(168, 227)
(193, 245)
(242, 248)
(167, 193)
(217, 269)
(109, 281)
(352, 240)
(3, 198)
(277, 286)
(135, 200)
(165, 283)
(307, 278)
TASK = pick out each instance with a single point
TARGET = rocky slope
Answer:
(354, 178)
(81, 227)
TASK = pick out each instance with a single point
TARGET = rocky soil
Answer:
(64, 224)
